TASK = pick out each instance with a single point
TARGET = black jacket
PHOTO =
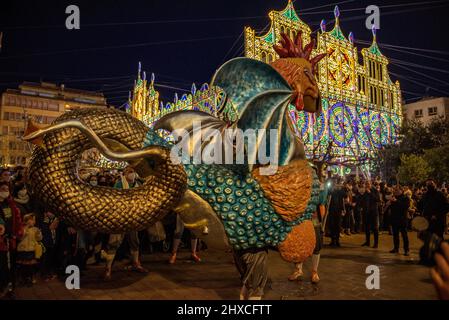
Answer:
(399, 211)
(434, 203)
(370, 202)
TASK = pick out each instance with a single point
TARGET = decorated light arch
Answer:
(362, 107)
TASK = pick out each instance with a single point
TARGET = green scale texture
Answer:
(249, 219)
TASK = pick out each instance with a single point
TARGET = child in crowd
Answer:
(29, 250)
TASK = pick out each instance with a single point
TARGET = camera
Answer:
(432, 245)
(432, 242)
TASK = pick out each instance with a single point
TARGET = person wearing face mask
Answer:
(10, 234)
(22, 200)
(93, 181)
(126, 181)
(399, 207)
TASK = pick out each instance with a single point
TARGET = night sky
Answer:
(185, 41)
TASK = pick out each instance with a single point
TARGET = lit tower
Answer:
(145, 99)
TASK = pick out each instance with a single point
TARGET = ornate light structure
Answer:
(362, 107)
(145, 103)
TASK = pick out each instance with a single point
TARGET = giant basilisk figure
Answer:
(255, 211)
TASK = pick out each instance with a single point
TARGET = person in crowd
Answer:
(177, 241)
(93, 180)
(20, 177)
(29, 249)
(5, 177)
(65, 246)
(49, 226)
(317, 219)
(358, 208)
(102, 181)
(336, 211)
(23, 200)
(440, 273)
(370, 204)
(434, 207)
(12, 232)
(128, 180)
(84, 175)
(348, 219)
(399, 208)
(388, 196)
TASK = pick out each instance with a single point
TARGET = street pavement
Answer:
(342, 272)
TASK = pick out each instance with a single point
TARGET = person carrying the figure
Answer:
(177, 241)
(317, 219)
(127, 181)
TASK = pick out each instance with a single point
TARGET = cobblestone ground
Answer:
(342, 272)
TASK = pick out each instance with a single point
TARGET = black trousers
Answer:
(253, 269)
(335, 226)
(371, 222)
(357, 220)
(4, 270)
(7, 272)
(403, 231)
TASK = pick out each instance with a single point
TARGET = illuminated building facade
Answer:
(145, 104)
(362, 106)
(43, 102)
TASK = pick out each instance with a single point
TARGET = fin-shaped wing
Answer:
(261, 97)
(196, 124)
(242, 79)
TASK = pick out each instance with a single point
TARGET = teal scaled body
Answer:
(248, 217)
(261, 98)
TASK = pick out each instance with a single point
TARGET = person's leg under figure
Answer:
(331, 228)
(395, 239)
(113, 244)
(338, 219)
(297, 274)
(316, 254)
(194, 245)
(405, 239)
(177, 239)
(133, 241)
(253, 269)
(335, 223)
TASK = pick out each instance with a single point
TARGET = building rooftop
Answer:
(58, 88)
